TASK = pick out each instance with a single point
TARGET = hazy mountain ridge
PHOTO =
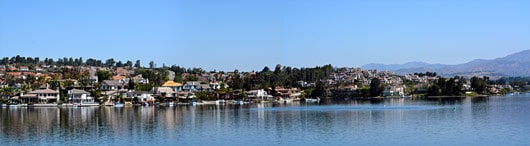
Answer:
(517, 64)
(393, 67)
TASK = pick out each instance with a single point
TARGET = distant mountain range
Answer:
(517, 64)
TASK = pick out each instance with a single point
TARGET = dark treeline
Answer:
(32, 61)
(447, 87)
(67, 61)
(455, 86)
(282, 76)
(514, 81)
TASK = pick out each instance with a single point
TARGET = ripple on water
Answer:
(350, 108)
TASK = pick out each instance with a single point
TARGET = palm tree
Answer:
(25, 88)
(8, 91)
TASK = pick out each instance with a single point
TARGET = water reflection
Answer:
(363, 122)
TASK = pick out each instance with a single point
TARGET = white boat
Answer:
(85, 104)
(312, 100)
(118, 104)
(285, 100)
(220, 101)
(170, 104)
(240, 102)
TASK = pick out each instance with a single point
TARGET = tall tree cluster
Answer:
(281, 76)
(479, 85)
(447, 87)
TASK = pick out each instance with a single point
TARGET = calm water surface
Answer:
(462, 121)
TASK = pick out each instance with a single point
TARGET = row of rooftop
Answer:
(343, 79)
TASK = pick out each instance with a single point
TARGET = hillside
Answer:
(517, 64)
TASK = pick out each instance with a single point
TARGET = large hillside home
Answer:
(110, 85)
(177, 87)
(41, 96)
(192, 86)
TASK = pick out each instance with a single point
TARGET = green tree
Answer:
(129, 64)
(143, 87)
(25, 88)
(119, 64)
(364, 92)
(103, 75)
(110, 62)
(152, 65)
(478, 84)
(433, 90)
(375, 87)
(8, 91)
(131, 84)
(137, 64)
(319, 90)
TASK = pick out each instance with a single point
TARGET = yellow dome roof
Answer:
(171, 84)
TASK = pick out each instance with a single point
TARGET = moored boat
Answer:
(312, 100)
(240, 102)
(285, 100)
(220, 101)
(119, 104)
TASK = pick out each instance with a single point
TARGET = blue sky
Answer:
(251, 34)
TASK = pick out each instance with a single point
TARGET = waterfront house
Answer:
(40, 96)
(217, 85)
(79, 96)
(259, 95)
(143, 96)
(192, 86)
(177, 87)
(393, 90)
(287, 93)
(165, 92)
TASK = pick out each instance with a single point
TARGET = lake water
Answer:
(493, 120)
